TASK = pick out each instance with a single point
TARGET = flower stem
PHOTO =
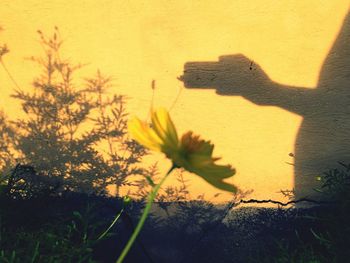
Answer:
(152, 195)
(113, 223)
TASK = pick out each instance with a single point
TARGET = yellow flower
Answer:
(190, 152)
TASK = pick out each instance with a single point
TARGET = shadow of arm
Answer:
(236, 75)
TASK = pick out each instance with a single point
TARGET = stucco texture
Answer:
(266, 81)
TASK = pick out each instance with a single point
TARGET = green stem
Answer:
(113, 223)
(152, 195)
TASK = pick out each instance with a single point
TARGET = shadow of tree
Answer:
(73, 132)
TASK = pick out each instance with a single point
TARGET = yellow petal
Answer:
(164, 127)
(144, 134)
(214, 174)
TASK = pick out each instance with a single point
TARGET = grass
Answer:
(67, 229)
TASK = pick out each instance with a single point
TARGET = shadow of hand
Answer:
(232, 75)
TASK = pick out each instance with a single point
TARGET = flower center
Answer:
(191, 143)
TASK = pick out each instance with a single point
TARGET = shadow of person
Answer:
(324, 136)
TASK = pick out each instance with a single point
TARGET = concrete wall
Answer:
(266, 81)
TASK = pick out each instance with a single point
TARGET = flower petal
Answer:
(164, 128)
(144, 135)
(191, 143)
(206, 148)
(214, 174)
(198, 160)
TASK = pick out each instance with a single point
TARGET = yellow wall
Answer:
(138, 41)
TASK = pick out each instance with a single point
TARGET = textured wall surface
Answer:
(267, 81)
